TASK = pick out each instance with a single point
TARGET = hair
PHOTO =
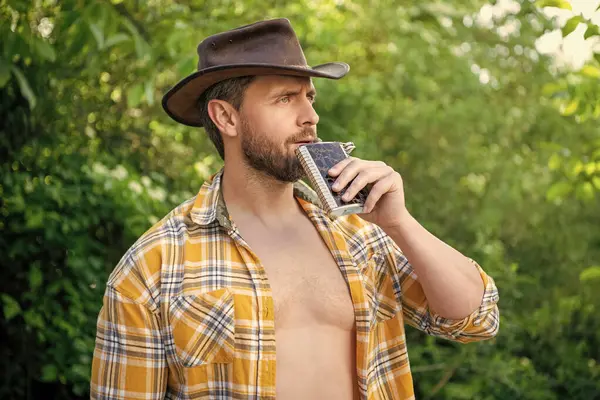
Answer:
(230, 90)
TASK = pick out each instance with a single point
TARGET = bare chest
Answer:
(307, 285)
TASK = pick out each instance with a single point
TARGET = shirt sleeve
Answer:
(129, 357)
(483, 323)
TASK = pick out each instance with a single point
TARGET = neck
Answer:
(249, 193)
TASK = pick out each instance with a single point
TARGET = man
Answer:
(249, 290)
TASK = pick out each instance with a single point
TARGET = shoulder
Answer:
(137, 275)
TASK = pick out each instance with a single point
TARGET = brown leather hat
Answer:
(263, 48)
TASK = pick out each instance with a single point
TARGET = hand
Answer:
(385, 204)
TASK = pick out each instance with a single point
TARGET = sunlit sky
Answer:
(571, 51)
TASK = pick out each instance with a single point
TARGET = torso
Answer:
(314, 315)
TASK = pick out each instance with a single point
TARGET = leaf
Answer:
(577, 169)
(134, 95)
(591, 71)
(552, 88)
(35, 277)
(26, 90)
(149, 92)
(442, 9)
(554, 162)
(68, 19)
(592, 30)
(596, 112)
(33, 319)
(186, 65)
(141, 47)
(44, 50)
(49, 373)
(564, 4)
(572, 24)
(116, 39)
(597, 57)
(590, 168)
(558, 191)
(585, 191)
(34, 219)
(590, 273)
(98, 35)
(570, 108)
(79, 37)
(19, 5)
(4, 73)
(11, 307)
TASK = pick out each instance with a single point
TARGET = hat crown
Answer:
(262, 48)
(267, 42)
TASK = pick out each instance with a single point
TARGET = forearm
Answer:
(450, 281)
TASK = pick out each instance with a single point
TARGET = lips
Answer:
(305, 141)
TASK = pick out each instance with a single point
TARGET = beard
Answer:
(264, 155)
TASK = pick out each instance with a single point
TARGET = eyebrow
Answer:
(291, 92)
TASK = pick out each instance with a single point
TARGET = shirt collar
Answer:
(210, 205)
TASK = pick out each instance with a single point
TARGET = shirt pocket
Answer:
(379, 287)
(203, 327)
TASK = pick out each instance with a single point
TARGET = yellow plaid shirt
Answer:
(188, 312)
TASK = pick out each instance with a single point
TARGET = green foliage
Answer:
(499, 154)
(564, 4)
(577, 95)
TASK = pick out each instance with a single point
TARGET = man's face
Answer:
(277, 116)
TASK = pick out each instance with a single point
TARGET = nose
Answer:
(308, 116)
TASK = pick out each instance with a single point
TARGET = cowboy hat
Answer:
(264, 48)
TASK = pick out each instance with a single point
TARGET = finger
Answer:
(377, 191)
(339, 167)
(349, 172)
(364, 178)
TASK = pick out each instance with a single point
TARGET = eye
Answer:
(285, 99)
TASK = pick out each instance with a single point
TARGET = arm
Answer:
(129, 357)
(442, 292)
(480, 324)
(451, 282)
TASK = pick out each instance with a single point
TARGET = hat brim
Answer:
(180, 101)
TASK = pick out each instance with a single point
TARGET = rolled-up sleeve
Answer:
(129, 357)
(481, 324)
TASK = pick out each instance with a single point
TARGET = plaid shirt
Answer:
(188, 311)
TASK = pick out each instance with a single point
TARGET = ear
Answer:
(224, 116)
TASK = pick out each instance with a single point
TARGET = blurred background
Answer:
(489, 110)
